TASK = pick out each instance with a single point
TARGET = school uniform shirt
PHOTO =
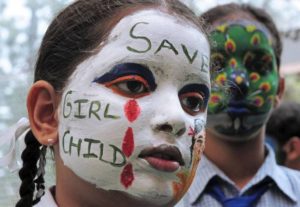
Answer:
(285, 191)
(47, 200)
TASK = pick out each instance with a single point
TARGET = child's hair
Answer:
(260, 15)
(282, 126)
(284, 122)
(73, 36)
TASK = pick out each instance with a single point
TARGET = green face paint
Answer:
(245, 77)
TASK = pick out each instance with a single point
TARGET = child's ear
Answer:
(42, 102)
(292, 149)
(280, 90)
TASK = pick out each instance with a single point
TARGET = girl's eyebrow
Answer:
(124, 69)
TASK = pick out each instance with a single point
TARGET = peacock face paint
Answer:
(132, 116)
(245, 78)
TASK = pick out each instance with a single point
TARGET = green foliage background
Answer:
(19, 44)
(292, 88)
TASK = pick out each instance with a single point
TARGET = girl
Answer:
(120, 94)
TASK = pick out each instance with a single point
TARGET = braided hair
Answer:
(73, 36)
(31, 180)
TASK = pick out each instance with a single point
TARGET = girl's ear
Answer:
(42, 102)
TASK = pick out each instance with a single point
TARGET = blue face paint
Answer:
(126, 69)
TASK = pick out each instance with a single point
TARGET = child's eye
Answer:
(259, 62)
(192, 102)
(132, 86)
(194, 98)
(131, 80)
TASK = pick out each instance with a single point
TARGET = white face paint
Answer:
(130, 113)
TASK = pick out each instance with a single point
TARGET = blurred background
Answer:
(23, 23)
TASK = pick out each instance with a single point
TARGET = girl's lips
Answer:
(163, 158)
(162, 165)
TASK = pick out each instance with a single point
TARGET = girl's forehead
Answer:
(159, 23)
(156, 39)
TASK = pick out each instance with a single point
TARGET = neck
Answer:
(238, 160)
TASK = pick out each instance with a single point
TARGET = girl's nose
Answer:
(169, 116)
(174, 128)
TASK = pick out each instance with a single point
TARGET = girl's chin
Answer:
(144, 199)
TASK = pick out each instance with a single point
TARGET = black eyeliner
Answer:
(199, 88)
(124, 69)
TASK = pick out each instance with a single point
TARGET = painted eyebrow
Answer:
(199, 88)
(124, 69)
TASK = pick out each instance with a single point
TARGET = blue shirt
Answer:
(285, 192)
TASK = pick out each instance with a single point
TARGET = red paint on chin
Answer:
(128, 143)
(163, 165)
(132, 110)
(127, 176)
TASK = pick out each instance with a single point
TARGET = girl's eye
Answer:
(132, 86)
(193, 102)
(260, 62)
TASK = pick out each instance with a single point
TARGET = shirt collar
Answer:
(278, 174)
(207, 170)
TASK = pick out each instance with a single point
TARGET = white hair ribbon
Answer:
(13, 138)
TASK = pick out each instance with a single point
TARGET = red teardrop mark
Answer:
(128, 142)
(132, 110)
(127, 176)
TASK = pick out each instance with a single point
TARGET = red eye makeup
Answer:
(131, 80)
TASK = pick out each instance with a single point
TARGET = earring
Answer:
(51, 142)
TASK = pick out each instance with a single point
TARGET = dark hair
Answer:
(258, 14)
(30, 157)
(73, 36)
(284, 122)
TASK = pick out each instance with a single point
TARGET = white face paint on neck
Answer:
(148, 141)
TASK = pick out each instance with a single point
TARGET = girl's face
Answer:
(245, 76)
(132, 116)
